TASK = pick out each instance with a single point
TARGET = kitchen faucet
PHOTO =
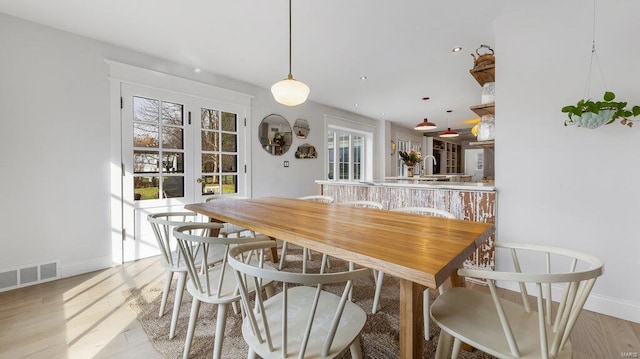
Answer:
(432, 157)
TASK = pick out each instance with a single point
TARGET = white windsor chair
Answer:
(301, 321)
(506, 329)
(171, 258)
(213, 282)
(306, 254)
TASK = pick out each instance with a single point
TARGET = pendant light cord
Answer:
(290, 75)
(587, 86)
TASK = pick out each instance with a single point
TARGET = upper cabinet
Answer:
(448, 156)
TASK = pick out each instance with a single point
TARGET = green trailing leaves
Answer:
(591, 114)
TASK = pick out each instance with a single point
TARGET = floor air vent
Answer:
(11, 278)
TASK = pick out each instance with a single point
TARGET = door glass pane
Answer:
(210, 119)
(145, 162)
(145, 188)
(210, 163)
(172, 137)
(172, 186)
(173, 162)
(229, 163)
(145, 135)
(171, 114)
(229, 142)
(229, 121)
(210, 185)
(145, 109)
(209, 141)
(229, 184)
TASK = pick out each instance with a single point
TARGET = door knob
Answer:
(200, 180)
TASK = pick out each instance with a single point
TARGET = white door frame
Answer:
(120, 73)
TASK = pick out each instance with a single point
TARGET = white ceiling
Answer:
(402, 47)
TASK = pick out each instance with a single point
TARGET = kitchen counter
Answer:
(453, 177)
(473, 201)
(416, 182)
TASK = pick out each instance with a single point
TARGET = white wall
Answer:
(269, 176)
(566, 186)
(54, 134)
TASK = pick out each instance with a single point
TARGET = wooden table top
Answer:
(422, 249)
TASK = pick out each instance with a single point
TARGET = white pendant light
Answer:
(290, 92)
(425, 125)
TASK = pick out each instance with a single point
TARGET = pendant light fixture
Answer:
(425, 125)
(449, 132)
(289, 91)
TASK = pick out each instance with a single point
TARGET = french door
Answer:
(176, 149)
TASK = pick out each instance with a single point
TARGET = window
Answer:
(345, 155)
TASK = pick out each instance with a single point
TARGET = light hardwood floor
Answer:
(86, 317)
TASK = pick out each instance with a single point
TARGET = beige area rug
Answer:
(380, 337)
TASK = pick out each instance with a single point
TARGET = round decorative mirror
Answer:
(275, 134)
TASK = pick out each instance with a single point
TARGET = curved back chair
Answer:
(213, 281)
(362, 204)
(171, 258)
(318, 198)
(429, 211)
(301, 321)
(506, 329)
(229, 229)
(306, 254)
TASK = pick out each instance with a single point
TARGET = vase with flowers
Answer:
(410, 159)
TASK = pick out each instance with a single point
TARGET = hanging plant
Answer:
(590, 114)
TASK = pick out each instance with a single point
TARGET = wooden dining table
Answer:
(422, 251)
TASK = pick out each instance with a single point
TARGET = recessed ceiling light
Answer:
(355, 105)
(363, 78)
(382, 113)
(457, 49)
(197, 70)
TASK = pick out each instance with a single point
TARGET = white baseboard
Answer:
(619, 308)
(90, 265)
(614, 307)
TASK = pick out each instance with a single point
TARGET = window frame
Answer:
(352, 128)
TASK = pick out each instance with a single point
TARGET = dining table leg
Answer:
(274, 254)
(411, 320)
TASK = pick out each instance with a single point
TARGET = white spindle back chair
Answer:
(301, 321)
(171, 258)
(213, 281)
(306, 254)
(362, 204)
(229, 229)
(506, 329)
